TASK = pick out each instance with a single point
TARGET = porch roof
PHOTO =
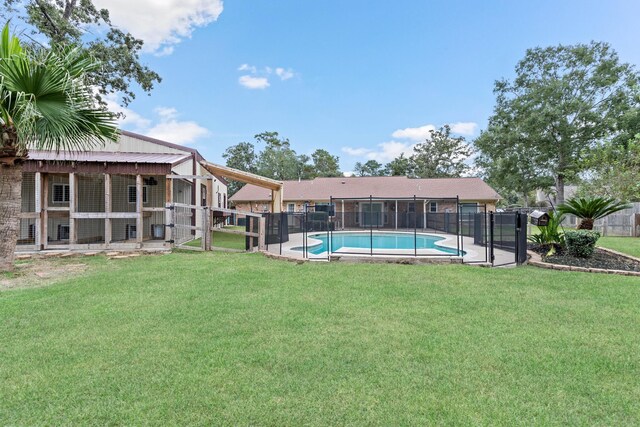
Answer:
(109, 157)
(389, 187)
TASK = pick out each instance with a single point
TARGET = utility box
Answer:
(539, 218)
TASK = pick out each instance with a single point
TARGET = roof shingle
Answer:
(377, 186)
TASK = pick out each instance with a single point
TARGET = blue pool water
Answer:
(381, 241)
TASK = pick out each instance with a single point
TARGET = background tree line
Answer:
(276, 159)
(440, 155)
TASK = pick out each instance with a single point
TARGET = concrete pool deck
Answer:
(473, 253)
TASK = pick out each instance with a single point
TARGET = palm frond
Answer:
(9, 45)
(592, 208)
(45, 95)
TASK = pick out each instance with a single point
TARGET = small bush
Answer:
(581, 243)
(550, 234)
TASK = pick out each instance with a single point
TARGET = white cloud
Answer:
(161, 23)
(167, 113)
(284, 74)
(247, 67)
(166, 126)
(259, 78)
(170, 129)
(423, 132)
(417, 134)
(251, 82)
(464, 128)
(385, 152)
(356, 152)
(129, 118)
(183, 133)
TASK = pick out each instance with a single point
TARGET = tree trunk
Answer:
(560, 188)
(526, 200)
(10, 207)
(586, 224)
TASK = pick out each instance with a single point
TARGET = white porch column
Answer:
(44, 215)
(107, 209)
(38, 225)
(73, 200)
(343, 214)
(139, 217)
(168, 220)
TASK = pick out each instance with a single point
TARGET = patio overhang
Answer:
(275, 186)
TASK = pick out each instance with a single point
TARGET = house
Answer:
(116, 196)
(382, 202)
(543, 196)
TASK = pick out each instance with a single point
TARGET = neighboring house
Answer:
(542, 196)
(391, 194)
(113, 196)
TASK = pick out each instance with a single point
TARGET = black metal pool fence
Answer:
(466, 223)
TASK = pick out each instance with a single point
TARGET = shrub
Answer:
(550, 237)
(581, 243)
(551, 233)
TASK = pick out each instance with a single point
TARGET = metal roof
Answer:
(108, 157)
(389, 187)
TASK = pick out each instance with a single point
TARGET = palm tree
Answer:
(589, 210)
(45, 103)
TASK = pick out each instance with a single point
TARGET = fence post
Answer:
(280, 232)
(491, 225)
(329, 227)
(262, 222)
(458, 222)
(304, 233)
(486, 240)
(267, 227)
(415, 227)
(517, 226)
(371, 223)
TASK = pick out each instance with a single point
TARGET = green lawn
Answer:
(627, 245)
(238, 339)
(224, 240)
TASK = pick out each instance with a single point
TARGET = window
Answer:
(291, 207)
(60, 193)
(468, 208)
(433, 207)
(219, 200)
(63, 232)
(412, 207)
(132, 193)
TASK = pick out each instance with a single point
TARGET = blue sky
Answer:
(362, 79)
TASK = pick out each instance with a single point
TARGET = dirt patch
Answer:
(39, 272)
(600, 259)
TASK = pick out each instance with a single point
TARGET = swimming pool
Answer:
(382, 242)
